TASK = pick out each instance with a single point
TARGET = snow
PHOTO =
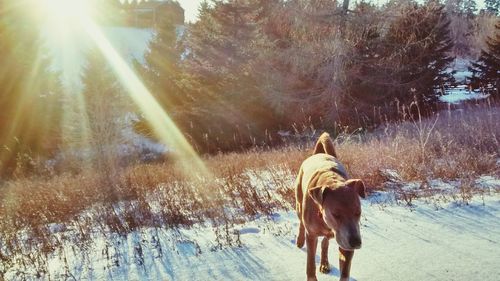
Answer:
(488, 183)
(461, 68)
(461, 93)
(137, 143)
(401, 188)
(391, 175)
(432, 240)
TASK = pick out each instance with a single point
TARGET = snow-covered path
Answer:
(433, 240)
(458, 242)
(454, 243)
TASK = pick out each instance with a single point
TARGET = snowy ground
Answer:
(437, 238)
(460, 93)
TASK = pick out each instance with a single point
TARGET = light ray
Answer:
(69, 18)
(161, 123)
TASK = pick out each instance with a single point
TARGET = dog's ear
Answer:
(317, 194)
(358, 185)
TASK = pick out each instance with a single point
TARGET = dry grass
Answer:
(452, 145)
(459, 144)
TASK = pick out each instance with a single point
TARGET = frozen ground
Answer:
(437, 238)
(460, 93)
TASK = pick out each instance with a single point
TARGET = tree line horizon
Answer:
(248, 69)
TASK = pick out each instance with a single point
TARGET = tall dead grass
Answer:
(452, 144)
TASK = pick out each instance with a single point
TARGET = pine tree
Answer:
(412, 58)
(461, 7)
(469, 8)
(222, 61)
(300, 49)
(29, 91)
(429, 59)
(492, 6)
(462, 15)
(162, 73)
(486, 70)
(161, 68)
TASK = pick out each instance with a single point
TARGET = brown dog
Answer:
(328, 205)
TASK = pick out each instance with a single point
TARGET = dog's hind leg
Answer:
(325, 265)
(298, 206)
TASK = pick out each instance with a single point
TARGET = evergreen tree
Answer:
(222, 61)
(425, 63)
(469, 8)
(492, 6)
(29, 91)
(161, 68)
(486, 70)
(161, 71)
(301, 49)
(461, 7)
(462, 15)
(409, 62)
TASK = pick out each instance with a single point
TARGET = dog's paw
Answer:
(324, 268)
(312, 278)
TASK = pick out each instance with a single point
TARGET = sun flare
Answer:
(66, 20)
(62, 12)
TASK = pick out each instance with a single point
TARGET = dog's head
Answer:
(341, 210)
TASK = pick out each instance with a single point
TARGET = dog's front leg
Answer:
(324, 265)
(312, 242)
(345, 259)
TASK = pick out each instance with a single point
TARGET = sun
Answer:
(61, 20)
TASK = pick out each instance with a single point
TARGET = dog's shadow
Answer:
(334, 271)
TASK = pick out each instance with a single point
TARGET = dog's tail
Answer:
(325, 145)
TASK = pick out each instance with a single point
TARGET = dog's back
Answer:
(324, 159)
(325, 145)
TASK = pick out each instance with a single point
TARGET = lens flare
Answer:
(78, 13)
(162, 124)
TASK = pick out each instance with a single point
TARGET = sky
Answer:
(190, 9)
